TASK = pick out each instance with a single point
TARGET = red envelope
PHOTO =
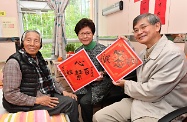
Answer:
(119, 59)
(78, 70)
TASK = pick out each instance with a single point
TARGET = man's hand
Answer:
(119, 83)
(65, 93)
(47, 101)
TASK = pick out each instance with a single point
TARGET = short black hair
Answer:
(84, 22)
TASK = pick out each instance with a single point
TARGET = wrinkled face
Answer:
(85, 36)
(32, 43)
(145, 33)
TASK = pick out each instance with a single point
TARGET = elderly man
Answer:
(28, 85)
(161, 85)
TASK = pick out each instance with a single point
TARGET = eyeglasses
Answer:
(141, 28)
(87, 34)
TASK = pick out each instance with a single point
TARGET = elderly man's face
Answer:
(32, 43)
(145, 33)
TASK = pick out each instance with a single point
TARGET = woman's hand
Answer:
(101, 76)
(123, 37)
(119, 83)
(47, 101)
(65, 93)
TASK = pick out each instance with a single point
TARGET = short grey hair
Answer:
(27, 31)
(152, 19)
(24, 35)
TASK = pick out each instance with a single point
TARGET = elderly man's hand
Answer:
(47, 101)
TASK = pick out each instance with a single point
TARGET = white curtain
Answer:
(59, 40)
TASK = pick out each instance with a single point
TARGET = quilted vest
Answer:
(29, 82)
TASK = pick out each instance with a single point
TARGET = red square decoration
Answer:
(119, 59)
(78, 70)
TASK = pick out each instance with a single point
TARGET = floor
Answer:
(96, 108)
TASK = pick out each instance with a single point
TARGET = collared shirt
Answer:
(11, 84)
(149, 50)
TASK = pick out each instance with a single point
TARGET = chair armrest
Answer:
(173, 115)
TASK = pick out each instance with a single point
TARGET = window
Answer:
(43, 21)
(76, 10)
(40, 21)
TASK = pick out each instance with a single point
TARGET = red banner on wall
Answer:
(160, 9)
(136, 0)
(144, 7)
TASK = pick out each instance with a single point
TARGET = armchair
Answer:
(179, 115)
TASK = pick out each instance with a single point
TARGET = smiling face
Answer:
(85, 35)
(147, 33)
(32, 43)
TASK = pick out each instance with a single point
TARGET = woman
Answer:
(28, 85)
(95, 91)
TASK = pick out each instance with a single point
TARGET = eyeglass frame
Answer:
(88, 34)
(141, 28)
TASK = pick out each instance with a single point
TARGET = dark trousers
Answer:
(66, 105)
(86, 106)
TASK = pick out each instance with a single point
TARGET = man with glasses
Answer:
(161, 85)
